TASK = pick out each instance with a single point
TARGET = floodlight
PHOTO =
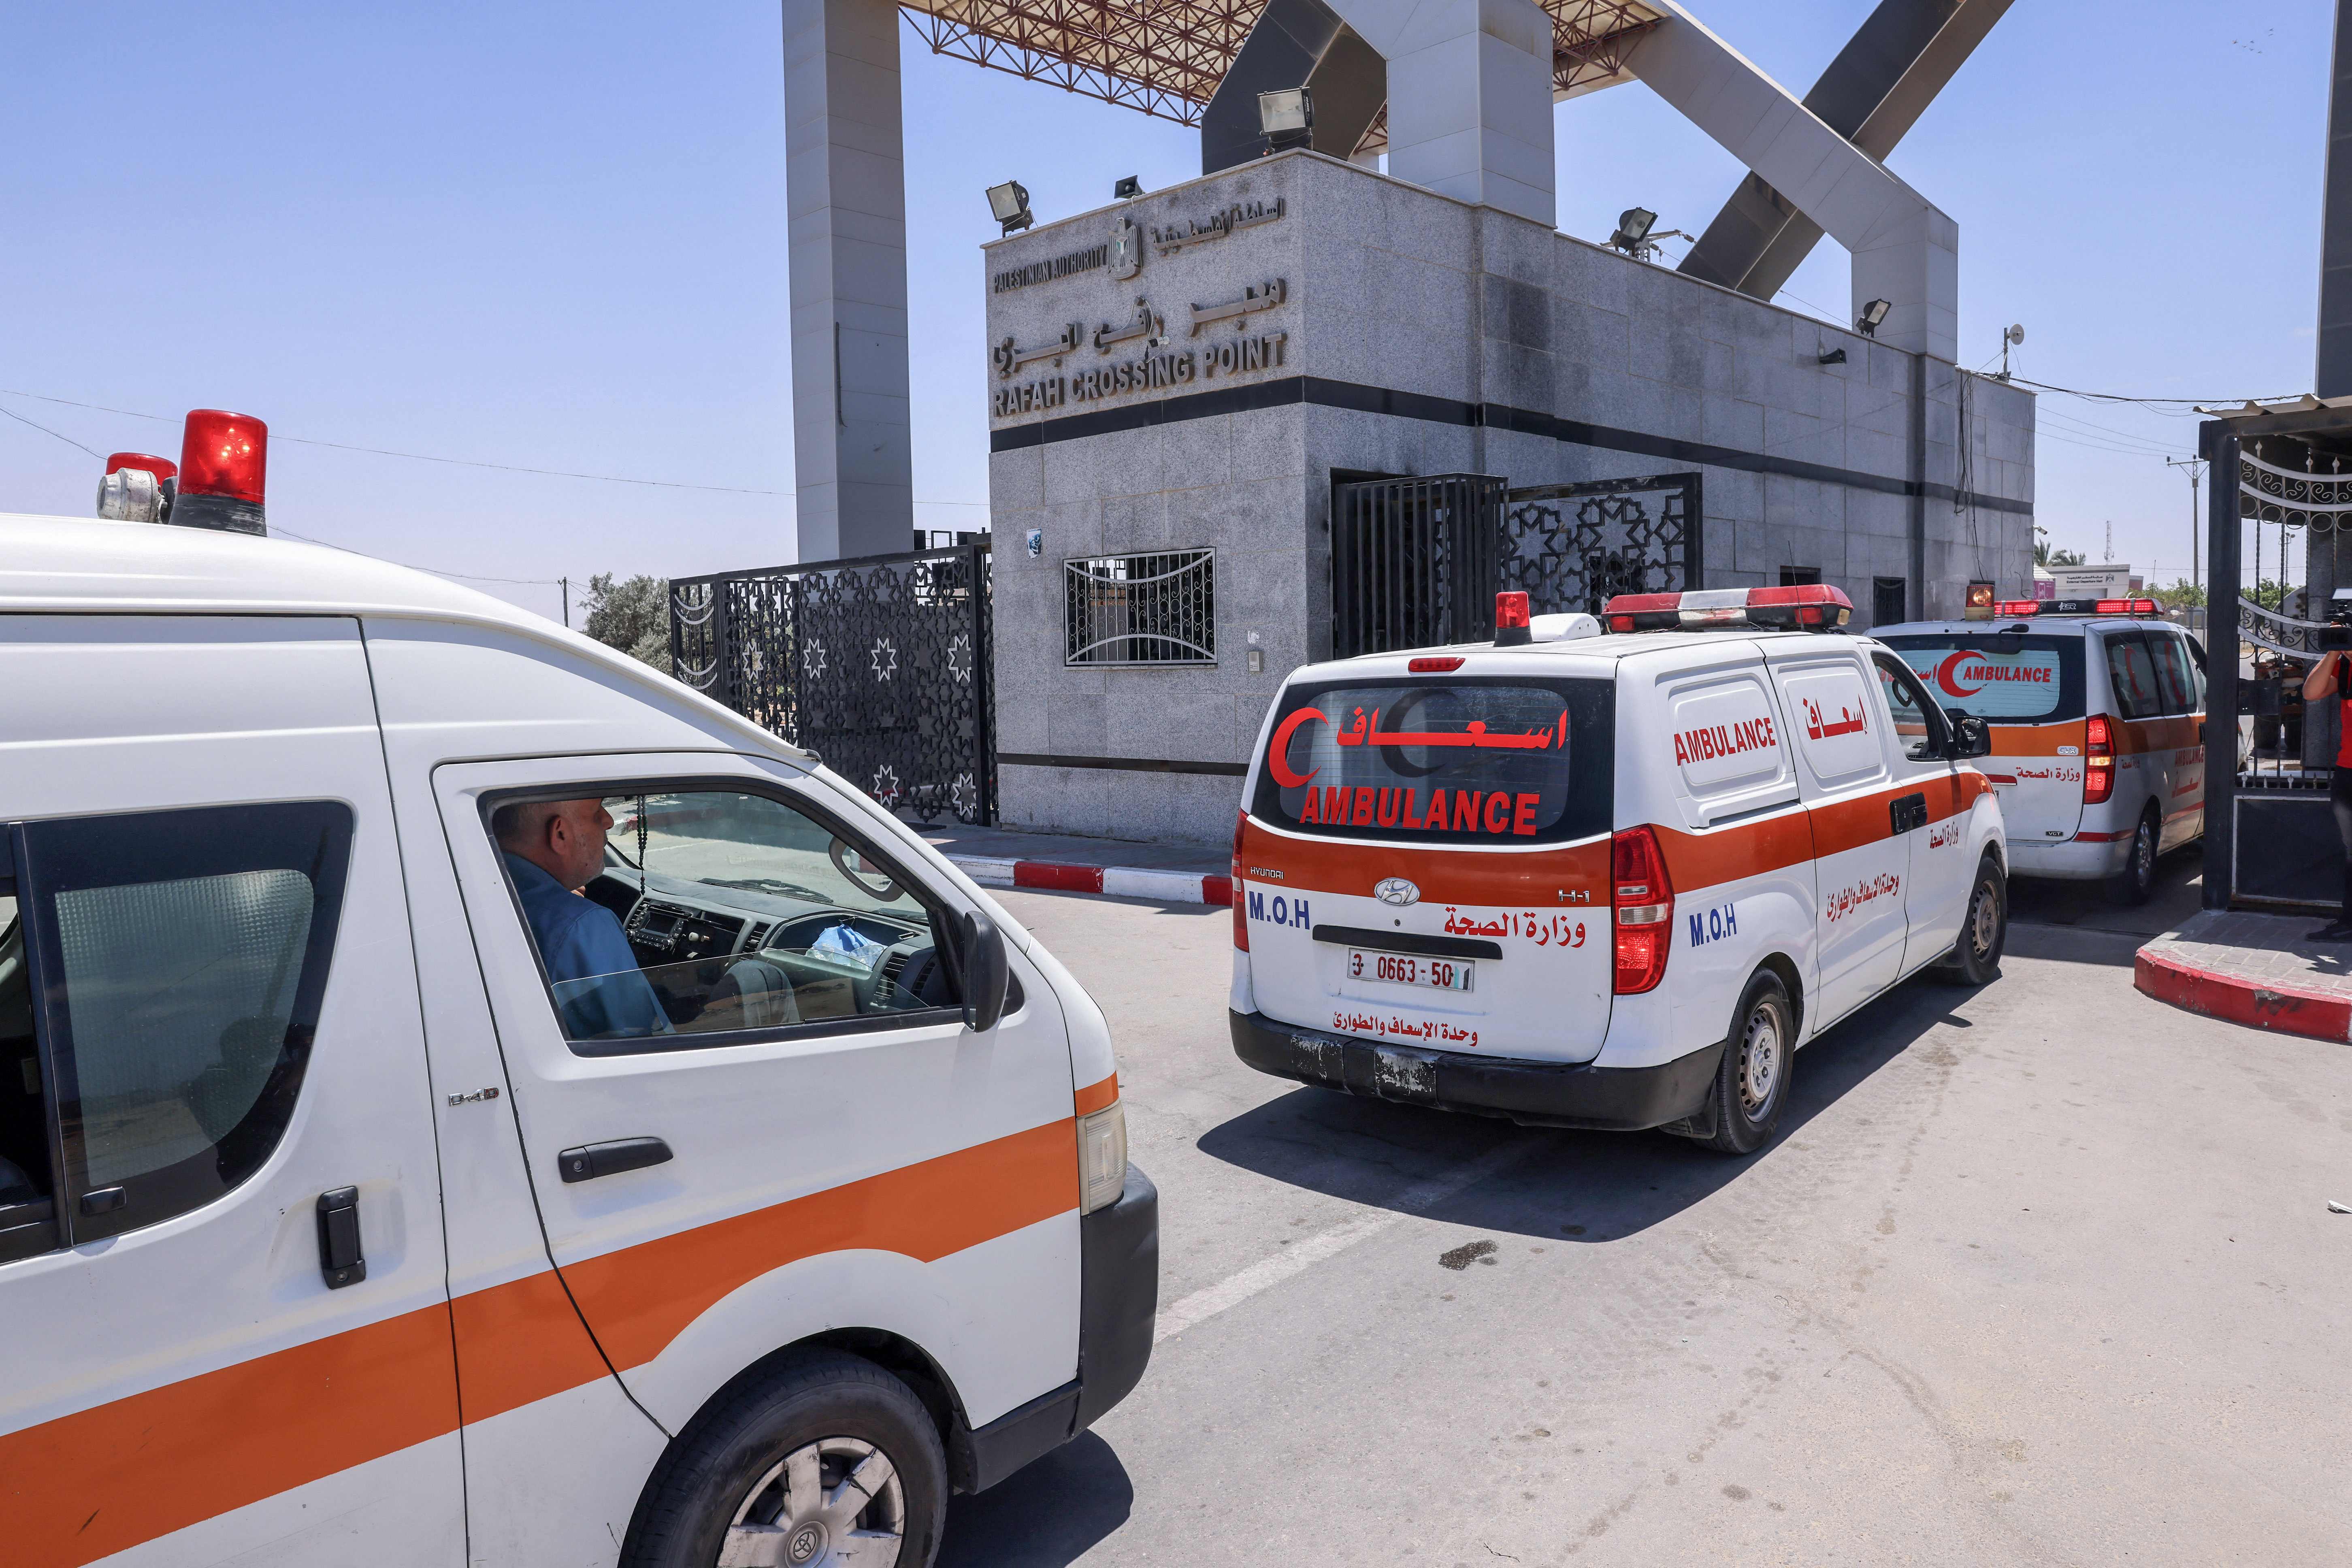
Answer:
(1633, 226)
(1010, 203)
(1128, 189)
(1287, 118)
(1872, 314)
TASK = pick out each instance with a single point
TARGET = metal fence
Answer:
(1574, 547)
(882, 666)
(1413, 561)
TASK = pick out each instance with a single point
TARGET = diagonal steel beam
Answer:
(1872, 93)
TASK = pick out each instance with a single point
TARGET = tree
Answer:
(631, 614)
(2182, 595)
(2043, 556)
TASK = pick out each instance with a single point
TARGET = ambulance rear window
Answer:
(1464, 761)
(2012, 679)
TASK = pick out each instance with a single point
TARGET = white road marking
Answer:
(1302, 1255)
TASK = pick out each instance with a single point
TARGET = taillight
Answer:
(1241, 915)
(2098, 760)
(1643, 900)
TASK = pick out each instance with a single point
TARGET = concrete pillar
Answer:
(1905, 251)
(2332, 376)
(845, 190)
(1469, 90)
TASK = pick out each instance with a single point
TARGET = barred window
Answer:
(1142, 609)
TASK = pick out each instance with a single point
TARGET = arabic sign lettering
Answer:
(1429, 1031)
(1169, 238)
(1829, 709)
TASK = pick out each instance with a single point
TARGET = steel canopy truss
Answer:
(1165, 58)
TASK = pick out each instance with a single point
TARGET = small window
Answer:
(1142, 609)
(180, 959)
(2131, 675)
(2176, 680)
(1887, 598)
(701, 914)
(1801, 577)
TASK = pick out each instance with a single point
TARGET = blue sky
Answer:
(553, 236)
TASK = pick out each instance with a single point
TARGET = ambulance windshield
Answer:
(2009, 678)
(1465, 760)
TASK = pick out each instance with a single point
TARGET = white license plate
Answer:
(1409, 969)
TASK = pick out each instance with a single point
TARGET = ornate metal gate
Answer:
(1571, 547)
(1413, 562)
(880, 665)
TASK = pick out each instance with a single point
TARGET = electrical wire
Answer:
(47, 431)
(431, 571)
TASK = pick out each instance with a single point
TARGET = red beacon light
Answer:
(1514, 625)
(1815, 606)
(224, 460)
(137, 487)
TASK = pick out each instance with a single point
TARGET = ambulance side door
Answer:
(2182, 686)
(223, 1289)
(1932, 813)
(1861, 862)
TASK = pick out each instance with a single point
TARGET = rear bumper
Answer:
(2081, 858)
(1536, 1094)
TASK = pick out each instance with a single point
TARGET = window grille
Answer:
(1160, 608)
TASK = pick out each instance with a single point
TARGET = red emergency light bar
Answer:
(2077, 608)
(1814, 606)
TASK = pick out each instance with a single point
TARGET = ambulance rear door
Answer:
(2029, 689)
(1425, 861)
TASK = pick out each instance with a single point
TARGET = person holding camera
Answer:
(2327, 680)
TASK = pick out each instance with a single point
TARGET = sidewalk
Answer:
(1066, 862)
(2254, 969)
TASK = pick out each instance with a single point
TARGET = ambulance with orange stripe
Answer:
(348, 1216)
(1606, 877)
(2097, 715)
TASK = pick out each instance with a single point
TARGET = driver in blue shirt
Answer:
(553, 848)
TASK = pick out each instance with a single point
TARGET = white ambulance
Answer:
(1605, 879)
(345, 1220)
(2097, 715)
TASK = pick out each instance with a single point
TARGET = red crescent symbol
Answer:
(1277, 753)
(1947, 675)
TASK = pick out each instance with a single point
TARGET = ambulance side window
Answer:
(172, 965)
(26, 1216)
(2174, 678)
(1920, 726)
(717, 911)
(1830, 712)
(2131, 675)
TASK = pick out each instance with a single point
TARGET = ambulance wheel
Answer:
(2136, 883)
(1752, 1084)
(1984, 931)
(827, 1462)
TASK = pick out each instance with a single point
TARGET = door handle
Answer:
(340, 1261)
(590, 1160)
(1908, 813)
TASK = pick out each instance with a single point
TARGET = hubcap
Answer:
(836, 1501)
(1759, 1060)
(1983, 917)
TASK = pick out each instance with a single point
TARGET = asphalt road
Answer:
(2038, 1273)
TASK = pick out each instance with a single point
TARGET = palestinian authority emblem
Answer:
(1126, 249)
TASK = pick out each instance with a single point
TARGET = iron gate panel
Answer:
(1573, 547)
(882, 666)
(1413, 562)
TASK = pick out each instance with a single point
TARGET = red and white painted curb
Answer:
(2236, 999)
(1117, 881)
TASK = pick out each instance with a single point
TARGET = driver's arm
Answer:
(2324, 677)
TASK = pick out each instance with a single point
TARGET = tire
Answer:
(1984, 931)
(1752, 1084)
(2136, 883)
(755, 1469)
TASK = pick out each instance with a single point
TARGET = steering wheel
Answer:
(839, 851)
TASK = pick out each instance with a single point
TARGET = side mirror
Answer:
(985, 973)
(1971, 736)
